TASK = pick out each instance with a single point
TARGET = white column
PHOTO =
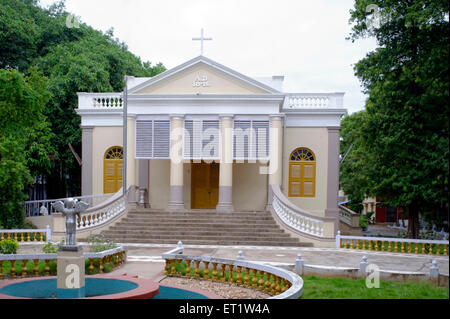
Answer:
(176, 201)
(275, 156)
(225, 203)
(131, 161)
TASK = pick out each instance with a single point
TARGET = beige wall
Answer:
(316, 139)
(249, 187)
(103, 138)
(159, 183)
(182, 83)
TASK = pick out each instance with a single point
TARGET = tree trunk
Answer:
(413, 221)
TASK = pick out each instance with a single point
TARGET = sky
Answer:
(303, 40)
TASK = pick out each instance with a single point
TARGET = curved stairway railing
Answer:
(103, 213)
(299, 220)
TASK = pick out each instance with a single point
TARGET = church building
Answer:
(202, 136)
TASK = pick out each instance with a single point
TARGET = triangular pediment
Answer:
(201, 76)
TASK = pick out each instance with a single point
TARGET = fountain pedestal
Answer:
(70, 273)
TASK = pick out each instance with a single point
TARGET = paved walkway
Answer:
(145, 259)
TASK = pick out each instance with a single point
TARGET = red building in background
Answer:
(383, 214)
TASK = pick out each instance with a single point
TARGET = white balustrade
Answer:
(296, 220)
(100, 101)
(313, 100)
(100, 215)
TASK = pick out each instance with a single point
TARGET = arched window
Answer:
(112, 170)
(302, 173)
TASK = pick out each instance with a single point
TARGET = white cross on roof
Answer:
(202, 38)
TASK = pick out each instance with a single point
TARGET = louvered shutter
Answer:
(210, 139)
(192, 139)
(251, 140)
(144, 139)
(153, 139)
(261, 139)
(241, 139)
(201, 139)
(161, 140)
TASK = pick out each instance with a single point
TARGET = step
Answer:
(154, 234)
(216, 242)
(199, 212)
(197, 221)
(243, 229)
(197, 217)
(198, 235)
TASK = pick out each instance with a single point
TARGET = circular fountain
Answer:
(96, 287)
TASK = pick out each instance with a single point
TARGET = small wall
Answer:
(103, 138)
(316, 139)
(249, 187)
(159, 191)
(41, 222)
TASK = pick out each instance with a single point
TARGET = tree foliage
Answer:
(74, 58)
(402, 143)
(24, 139)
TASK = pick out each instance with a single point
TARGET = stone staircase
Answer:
(200, 228)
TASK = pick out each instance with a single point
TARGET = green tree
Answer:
(405, 133)
(22, 151)
(352, 180)
(75, 59)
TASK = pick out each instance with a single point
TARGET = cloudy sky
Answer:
(301, 39)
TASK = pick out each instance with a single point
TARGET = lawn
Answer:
(340, 288)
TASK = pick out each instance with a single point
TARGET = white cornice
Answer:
(209, 97)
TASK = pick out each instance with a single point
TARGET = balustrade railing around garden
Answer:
(397, 245)
(279, 283)
(36, 265)
(27, 235)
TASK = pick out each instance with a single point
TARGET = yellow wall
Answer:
(249, 187)
(159, 183)
(316, 139)
(103, 138)
(182, 83)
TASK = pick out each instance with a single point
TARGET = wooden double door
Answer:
(204, 185)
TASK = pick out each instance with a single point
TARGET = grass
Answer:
(341, 288)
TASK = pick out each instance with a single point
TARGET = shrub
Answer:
(363, 222)
(9, 246)
(50, 248)
(107, 267)
(98, 243)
